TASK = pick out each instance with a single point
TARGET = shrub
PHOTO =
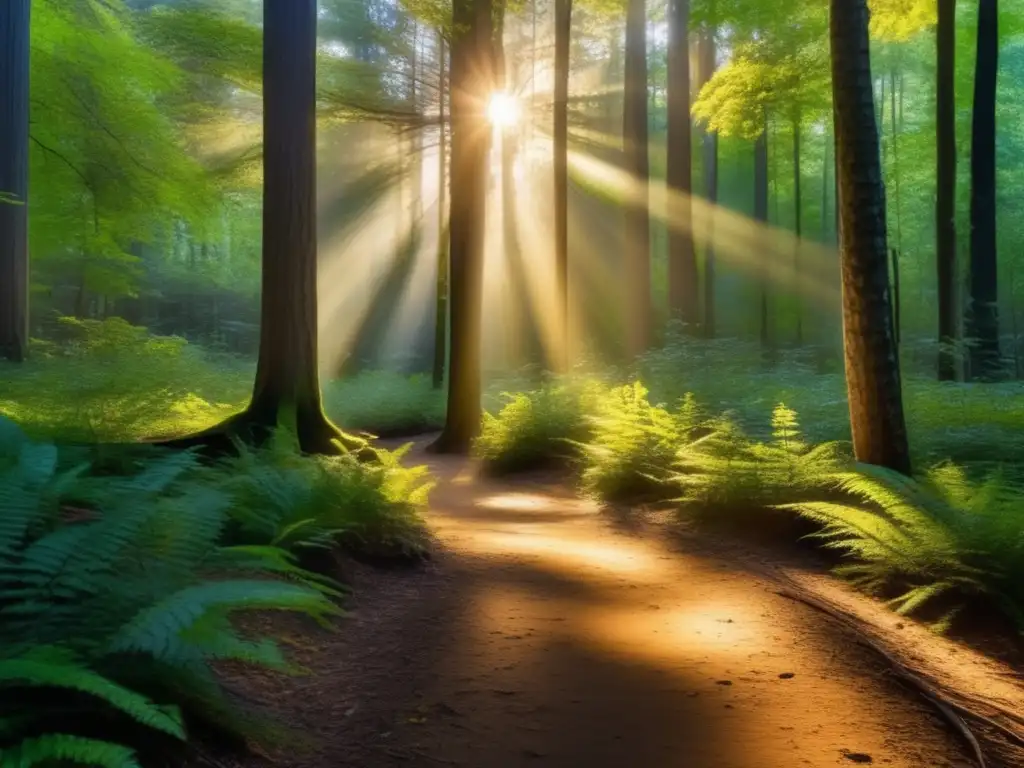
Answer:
(537, 428)
(386, 404)
(941, 534)
(282, 498)
(114, 611)
(633, 444)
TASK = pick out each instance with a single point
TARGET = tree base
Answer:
(449, 444)
(255, 426)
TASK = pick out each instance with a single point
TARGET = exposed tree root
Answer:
(954, 712)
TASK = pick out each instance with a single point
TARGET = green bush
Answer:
(633, 444)
(116, 600)
(385, 404)
(281, 498)
(537, 428)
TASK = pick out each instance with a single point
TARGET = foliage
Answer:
(537, 428)
(633, 443)
(283, 499)
(116, 600)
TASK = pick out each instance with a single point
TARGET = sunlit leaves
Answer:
(900, 20)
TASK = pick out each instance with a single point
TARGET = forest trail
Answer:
(541, 636)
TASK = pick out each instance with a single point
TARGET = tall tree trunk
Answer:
(287, 373)
(472, 63)
(563, 31)
(945, 193)
(710, 170)
(416, 135)
(872, 363)
(634, 135)
(682, 260)
(985, 361)
(761, 216)
(709, 151)
(797, 226)
(441, 306)
(14, 143)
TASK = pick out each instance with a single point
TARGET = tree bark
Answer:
(682, 260)
(14, 161)
(872, 365)
(985, 361)
(709, 151)
(761, 216)
(563, 31)
(472, 63)
(945, 197)
(441, 305)
(797, 226)
(634, 136)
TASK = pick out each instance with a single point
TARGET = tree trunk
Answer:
(945, 197)
(682, 261)
(761, 216)
(287, 373)
(472, 62)
(441, 306)
(985, 361)
(634, 139)
(872, 364)
(709, 149)
(563, 30)
(797, 226)
(14, 152)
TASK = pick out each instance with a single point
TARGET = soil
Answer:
(541, 635)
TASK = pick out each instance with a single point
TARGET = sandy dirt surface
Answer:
(541, 636)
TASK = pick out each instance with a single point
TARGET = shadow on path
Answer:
(541, 637)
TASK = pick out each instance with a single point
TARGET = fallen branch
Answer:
(953, 711)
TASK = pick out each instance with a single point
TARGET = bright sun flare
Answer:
(503, 110)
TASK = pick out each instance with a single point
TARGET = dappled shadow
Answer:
(540, 636)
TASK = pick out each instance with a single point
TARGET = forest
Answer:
(498, 383)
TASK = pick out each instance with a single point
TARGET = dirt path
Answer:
(541, 637)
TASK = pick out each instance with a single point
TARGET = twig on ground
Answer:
(953, 711)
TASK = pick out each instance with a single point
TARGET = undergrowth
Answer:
(950, 533)
(116, 598)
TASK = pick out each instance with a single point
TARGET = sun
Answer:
(503, 110)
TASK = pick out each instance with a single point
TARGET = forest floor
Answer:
(543, 634)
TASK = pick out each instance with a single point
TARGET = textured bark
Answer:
(797, 226)
(761, 216)
(872, 365)
(441, 305)
(472, 62)
(634, 139)
(563, 31)
(14, 152)
(985, 362)
(945, 197)
(709, 151)
(682, 260)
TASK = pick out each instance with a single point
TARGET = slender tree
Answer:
(634, 139)
(682, 260)
(761, 215)
(797, 220)
(563, 31)
(14, 143)
(872, 363)
(984, 269)
(709, 153)
(471, 82)
(945, 193)
(441, 306)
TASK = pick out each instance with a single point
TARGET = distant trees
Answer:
(872, 362)
(14, 155)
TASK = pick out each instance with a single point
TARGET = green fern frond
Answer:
(60, 748)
